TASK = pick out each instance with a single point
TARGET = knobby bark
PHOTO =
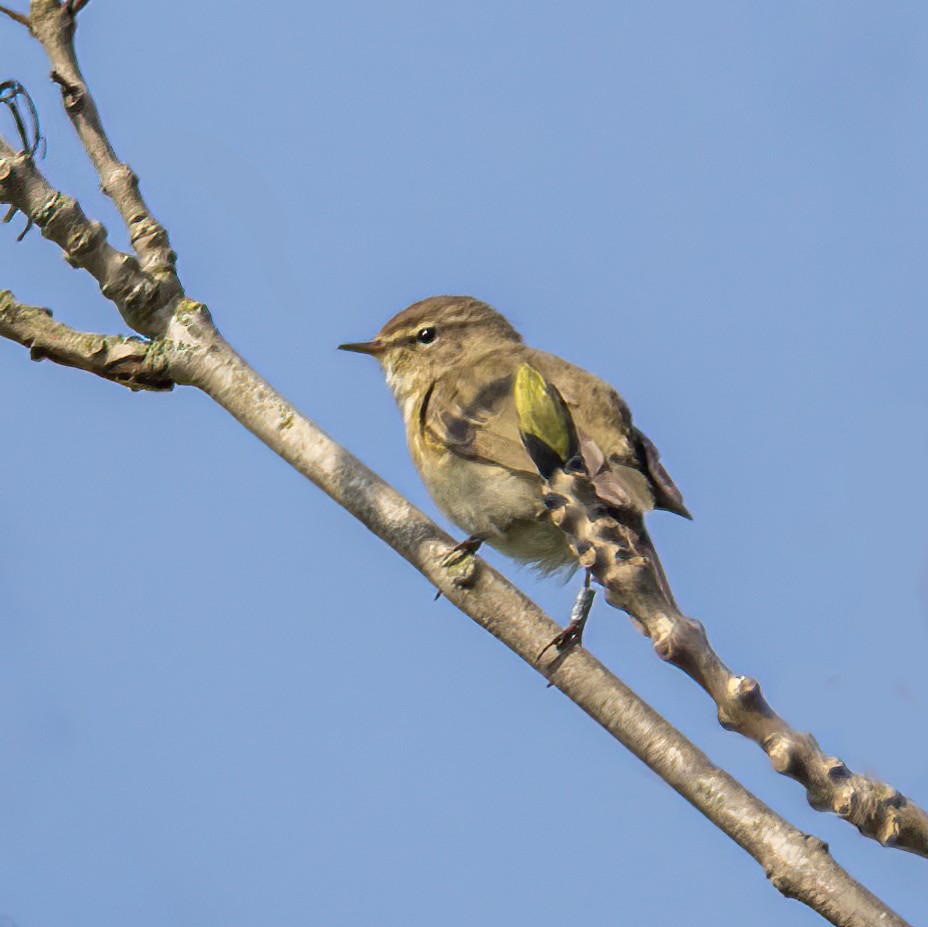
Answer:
(181, 345)
(607, 535)
(798, 864)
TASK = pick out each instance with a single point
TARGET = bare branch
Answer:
(798, 865)
(129, 361)
(611, 542)
(143, 301)
(606, 532)
(191, 351)
(53, 23)
(21, 18)
(811, 875)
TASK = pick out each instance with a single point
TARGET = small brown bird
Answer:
(451, 362)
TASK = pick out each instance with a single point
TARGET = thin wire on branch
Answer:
(15, 97)
(21, 107)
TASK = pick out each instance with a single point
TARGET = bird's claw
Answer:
(461, 563)
(459, 552)
(571, 636)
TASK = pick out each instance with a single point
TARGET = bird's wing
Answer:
(603, 418)
(472, 413)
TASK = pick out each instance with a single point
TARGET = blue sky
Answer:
(223, 700)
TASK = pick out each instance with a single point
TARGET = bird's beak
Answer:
(374, 347)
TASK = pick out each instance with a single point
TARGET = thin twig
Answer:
(53, 23)
(21, 18)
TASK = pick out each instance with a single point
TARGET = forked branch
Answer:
(188, 349)
(799, 866)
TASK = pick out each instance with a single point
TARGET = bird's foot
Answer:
(461, 563)
(462, 551)
(572, 635)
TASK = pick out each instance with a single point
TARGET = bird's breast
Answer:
(503, 506)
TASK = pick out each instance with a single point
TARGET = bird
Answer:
(451, 363)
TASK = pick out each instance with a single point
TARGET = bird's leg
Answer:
(573, 633)
(460, 562)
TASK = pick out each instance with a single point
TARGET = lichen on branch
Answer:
(128, 360)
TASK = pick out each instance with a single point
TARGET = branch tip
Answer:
(20, 18)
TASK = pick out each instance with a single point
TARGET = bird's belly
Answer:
(502, 506)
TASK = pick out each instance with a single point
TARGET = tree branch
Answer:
(799, 865)
(608, 537)
(129, 361)
(810, 875)
(189, 350)
(136, 294)
(20, 18)
(54, 23)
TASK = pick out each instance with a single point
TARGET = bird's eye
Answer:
(426, 335)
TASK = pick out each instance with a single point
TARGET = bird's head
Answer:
(432, 336)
